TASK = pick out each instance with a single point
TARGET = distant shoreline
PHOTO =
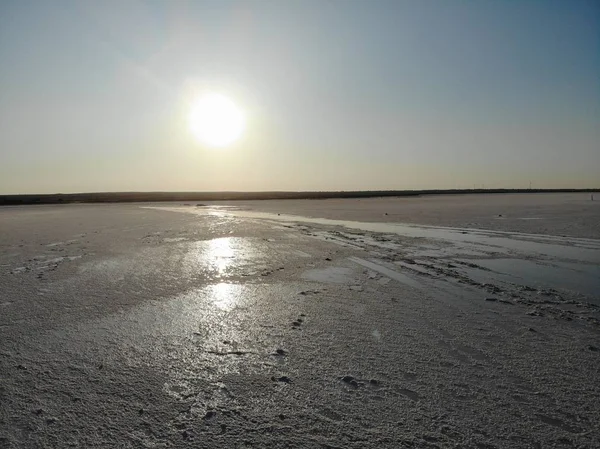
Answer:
(135, 197)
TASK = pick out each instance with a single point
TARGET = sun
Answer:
(215, 120)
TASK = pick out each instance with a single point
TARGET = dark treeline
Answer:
(130, 197)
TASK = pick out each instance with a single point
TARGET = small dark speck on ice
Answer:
(491, 299)
(284, 379)
(210, 414)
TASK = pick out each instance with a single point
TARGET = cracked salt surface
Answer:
(387, 272)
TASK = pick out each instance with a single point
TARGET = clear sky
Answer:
(336, 94)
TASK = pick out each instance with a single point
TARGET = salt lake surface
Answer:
(302, 324)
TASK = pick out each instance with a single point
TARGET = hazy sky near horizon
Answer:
(338, 94)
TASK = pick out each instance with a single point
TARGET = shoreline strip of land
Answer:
(135, 197)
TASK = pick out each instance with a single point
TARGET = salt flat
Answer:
(328, 325)
(570, 214)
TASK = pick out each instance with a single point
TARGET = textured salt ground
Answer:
(135, 327)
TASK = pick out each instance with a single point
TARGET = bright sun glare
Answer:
(216, 120)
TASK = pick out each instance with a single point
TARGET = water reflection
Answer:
(220, 254)
(226, 258)
(224, 296)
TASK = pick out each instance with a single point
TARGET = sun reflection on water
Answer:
(220, 254)
(224, 296)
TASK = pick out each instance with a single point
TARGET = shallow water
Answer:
(576, 277)
(526, 259)
(587, 250)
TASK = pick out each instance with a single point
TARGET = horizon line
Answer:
(157, 196)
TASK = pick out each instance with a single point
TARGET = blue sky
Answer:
(338, 94)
